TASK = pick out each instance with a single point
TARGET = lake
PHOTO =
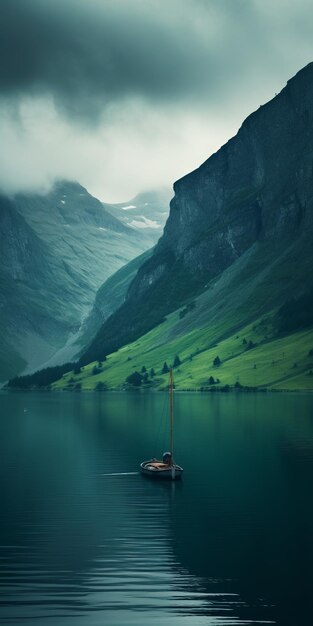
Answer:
(230, 544)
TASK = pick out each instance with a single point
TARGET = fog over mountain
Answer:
(127, 96)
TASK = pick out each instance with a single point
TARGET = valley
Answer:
(236, 249)
(57, 250)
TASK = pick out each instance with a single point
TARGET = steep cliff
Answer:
(256, 187)
(256, 192)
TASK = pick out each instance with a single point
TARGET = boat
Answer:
(165, 469)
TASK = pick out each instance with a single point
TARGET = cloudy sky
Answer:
(128, 95)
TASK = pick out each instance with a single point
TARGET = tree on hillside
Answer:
(211, 381)
(134, 379)
(42, 378)
(152, 372)
(177, 361)
(165, 369)
(217, 361)
(143, 369)
(100, 386)
(250, 345)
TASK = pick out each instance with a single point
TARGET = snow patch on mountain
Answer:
(145, 223)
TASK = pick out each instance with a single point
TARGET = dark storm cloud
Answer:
(91, 52)
(127, 95)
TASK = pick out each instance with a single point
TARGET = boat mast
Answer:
(171, 411)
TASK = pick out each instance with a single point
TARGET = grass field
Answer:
(267, 362)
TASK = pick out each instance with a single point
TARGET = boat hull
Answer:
(152, 469)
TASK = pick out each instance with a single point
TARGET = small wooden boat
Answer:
(166, 468)
(158, 469)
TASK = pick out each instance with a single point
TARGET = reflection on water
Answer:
(85, 539)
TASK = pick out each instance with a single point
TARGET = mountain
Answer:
(146, 213)
(109, 298)
(92, 243)
(30, 312)
(56, 251)
(238, 241)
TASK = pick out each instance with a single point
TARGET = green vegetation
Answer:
(100, 386)
(270, 365)
(235, 319)
(177, 361)
(42, 378)
(149, 312)
(134, 379)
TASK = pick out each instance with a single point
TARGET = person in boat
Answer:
(167, 459)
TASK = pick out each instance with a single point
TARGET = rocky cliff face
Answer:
(258, 188)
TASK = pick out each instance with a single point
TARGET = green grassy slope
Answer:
(275, 363)
(238, 307)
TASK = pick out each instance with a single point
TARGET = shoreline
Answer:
(231, 390)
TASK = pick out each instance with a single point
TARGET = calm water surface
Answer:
(231, 544)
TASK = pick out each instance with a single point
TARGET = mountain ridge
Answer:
(56, 252)
(256, 188)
